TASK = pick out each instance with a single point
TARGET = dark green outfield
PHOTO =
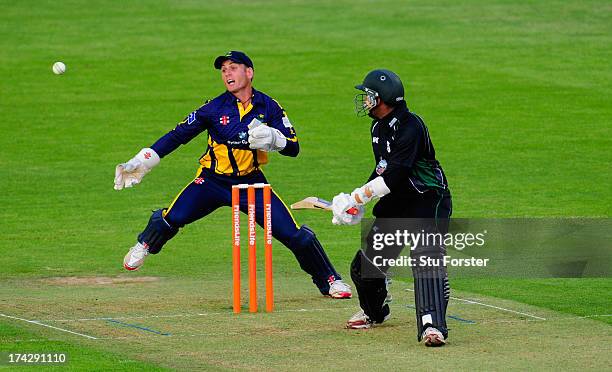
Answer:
(516, 95)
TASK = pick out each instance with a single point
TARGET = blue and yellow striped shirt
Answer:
(226, 121)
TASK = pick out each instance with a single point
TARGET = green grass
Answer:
(582, 297)
(201, 332)
(516, 96)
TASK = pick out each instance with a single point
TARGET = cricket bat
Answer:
(312, 202)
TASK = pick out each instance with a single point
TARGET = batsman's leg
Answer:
(431, 286)
(371, 290)
(431, 294)
(371, 280)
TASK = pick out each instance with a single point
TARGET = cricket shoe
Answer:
(432, 337)
(361, 321)
(339, 289)
(134, 259)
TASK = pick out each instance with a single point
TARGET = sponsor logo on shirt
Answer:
(242, 136)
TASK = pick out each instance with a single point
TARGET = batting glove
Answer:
(340, 205)
(373, 189)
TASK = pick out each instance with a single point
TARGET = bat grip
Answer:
(353, 211)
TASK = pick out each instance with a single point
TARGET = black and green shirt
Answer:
(404, 154)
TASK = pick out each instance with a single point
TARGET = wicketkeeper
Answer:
(410, 184)
(243, 126)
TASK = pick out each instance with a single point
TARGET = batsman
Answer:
(410, 184)
(243, 125)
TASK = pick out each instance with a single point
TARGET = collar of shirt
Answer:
(395, 113)
(256, 98)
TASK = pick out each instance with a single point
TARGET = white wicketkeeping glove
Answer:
(131, 173)
(263, 137)
(340, 206)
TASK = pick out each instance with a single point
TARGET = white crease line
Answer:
(539, 320)
(480, 322)
(188, 315)
(491, 306)
(49, 326)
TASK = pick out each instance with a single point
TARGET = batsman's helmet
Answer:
(380, 83)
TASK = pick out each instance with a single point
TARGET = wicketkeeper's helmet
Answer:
(380, 83)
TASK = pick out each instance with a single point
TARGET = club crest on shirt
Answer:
(191, 118)
(381, 166)
(224, 120)
(242, 135)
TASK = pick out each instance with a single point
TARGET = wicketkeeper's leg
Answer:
(198, 199)
(302, 241)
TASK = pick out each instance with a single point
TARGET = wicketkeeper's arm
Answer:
(185, 131)
(293, 146)
(280, 123)
(131, 173)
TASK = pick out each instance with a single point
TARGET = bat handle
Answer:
(353, 211)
